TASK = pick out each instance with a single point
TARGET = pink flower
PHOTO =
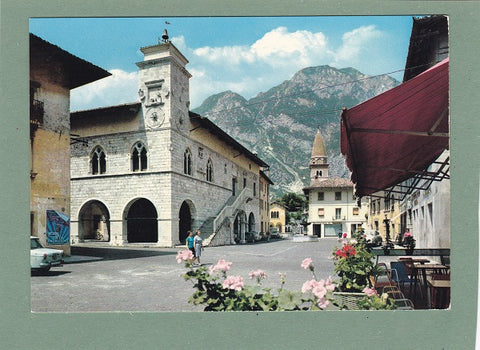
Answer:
(344, 235)
(259, 274)
(184, 255)
(323, 303)
(329, 285)
(222, 265)
(233, 282)
(369, 291)
(319, 290)
(307, 263)
(308, 286)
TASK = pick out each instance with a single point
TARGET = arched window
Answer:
(139, 157)
(98, 163)
(209, 171)
(187, 162)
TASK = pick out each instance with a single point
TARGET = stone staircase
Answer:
(213, 225)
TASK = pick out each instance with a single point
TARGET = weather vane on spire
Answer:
(165, 33)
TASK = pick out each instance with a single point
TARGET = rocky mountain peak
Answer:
(280, 124)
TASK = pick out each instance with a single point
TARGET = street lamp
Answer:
(388, 243)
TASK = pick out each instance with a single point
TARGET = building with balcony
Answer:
(149, 171)
(53, 73)
(332, 205)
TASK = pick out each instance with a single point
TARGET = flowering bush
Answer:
(219, 292)
(354, 264)
(373, 301)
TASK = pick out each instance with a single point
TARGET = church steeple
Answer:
(318, 149)
(318, 162)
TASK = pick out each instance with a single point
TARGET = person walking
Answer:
(190, 244)
(198, 242)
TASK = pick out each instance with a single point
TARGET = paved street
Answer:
(99, 278)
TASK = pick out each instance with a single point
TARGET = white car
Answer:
(373, 238)
(41, 259)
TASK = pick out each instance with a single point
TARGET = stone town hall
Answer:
(147, 172)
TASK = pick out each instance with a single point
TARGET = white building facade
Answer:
(148, 172)
(332, 206)
(426, 213)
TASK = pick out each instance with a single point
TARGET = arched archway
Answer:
(186, 216)
(142, 222)
(94, 222)
(239, 227)
(251, 222)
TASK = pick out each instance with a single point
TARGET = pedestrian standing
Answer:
(190, 244)
(198, 242)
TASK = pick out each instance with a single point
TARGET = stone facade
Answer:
(162, 170)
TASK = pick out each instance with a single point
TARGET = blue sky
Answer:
(247, 55)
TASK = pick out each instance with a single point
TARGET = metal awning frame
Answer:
(416, 183)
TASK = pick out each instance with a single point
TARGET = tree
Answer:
(294, 205)
(293, 202)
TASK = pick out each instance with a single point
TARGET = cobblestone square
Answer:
(137, 279)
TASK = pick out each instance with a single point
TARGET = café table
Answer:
(439, 291)
(414, 260)
(418, 268)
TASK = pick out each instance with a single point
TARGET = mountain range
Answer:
(280, 124)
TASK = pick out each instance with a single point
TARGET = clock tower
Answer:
(164, 87)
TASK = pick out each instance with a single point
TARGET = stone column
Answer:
(74, 239)
(118, 233)
(165, 238)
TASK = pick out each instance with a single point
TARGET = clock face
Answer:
(154, 117)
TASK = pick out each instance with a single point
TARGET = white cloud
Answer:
(280, 44)
(121, 87)
(232, 54)
(179, 42)
(356, 44)
(249, 69)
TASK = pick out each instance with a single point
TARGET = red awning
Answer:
(397, 134)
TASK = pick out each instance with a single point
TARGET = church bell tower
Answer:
(318, 162)
(164, 86)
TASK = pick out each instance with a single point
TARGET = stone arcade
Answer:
(147, 172)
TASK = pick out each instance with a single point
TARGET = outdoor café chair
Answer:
(400, 274)
(383, 278)
(398, 298)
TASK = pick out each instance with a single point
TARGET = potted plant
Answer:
(354, 264)
(408, 242)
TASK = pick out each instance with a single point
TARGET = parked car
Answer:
(252, 236)
(373, 238)
(274, 232)
(42, 259)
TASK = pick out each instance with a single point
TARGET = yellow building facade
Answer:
(53, 73)
(278, 217)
